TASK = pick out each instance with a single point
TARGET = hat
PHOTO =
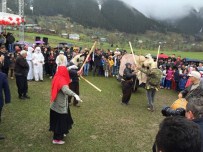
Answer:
(127, 64)
(61, 52)
(2, 46)
(148, 56)
(195, 74)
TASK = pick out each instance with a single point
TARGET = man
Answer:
(6, 63)
(4, 89)
(74, 85)
(97, 62)
(196, 87)
(154, 76)
(177, 134)
(194, 112)
(38, 61)
(21, 71)
(127, 83)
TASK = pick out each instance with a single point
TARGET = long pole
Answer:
(91, 84)
(92, 49)
(131, 48)
(157, 57)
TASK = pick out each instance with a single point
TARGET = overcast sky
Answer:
(165, 9)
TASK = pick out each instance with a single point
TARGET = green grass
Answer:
(101, 124)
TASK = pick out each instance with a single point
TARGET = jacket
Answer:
(188, 93)
(60, 105)
(21, 67)
(4, 87)
(200, 123)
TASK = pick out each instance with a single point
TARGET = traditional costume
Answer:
(60, 116)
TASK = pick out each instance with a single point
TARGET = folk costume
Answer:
(38, 62)
(127, 83)
(154, 76)
(60, 116)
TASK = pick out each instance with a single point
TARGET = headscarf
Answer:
(60, 79)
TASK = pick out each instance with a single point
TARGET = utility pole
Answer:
(4, 8)
(21, 14)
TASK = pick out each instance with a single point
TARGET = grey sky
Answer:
(165, 9)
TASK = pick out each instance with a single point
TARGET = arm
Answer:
(146, 71)
(65, 89)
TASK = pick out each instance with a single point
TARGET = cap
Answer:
(195, 74)
(128, 64)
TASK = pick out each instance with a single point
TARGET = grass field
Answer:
(101, 124)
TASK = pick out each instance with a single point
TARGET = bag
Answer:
(154, 78)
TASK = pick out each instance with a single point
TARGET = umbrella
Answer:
(164, 56)
(39, 42)
(22, 43)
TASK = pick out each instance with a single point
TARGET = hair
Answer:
(177, 134)
(61, 59)
(23, 52)
(195, 105)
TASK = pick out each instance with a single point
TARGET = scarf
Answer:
(60, 79)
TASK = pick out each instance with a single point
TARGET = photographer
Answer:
(194, 112)
(196, 87)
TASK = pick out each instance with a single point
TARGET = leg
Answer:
(76, 89)
(41, 72)
(19, 84)
(149, 98)
(0, 113)
(57, 136)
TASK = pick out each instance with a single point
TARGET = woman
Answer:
(52, 64)
(60, 116)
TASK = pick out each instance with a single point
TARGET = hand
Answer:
(77, 98)
(180, 95)
(72, 67)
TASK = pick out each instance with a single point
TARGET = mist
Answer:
(165, 9)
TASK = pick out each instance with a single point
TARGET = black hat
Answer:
(127, 64)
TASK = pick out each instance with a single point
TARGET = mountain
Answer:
(190, 24)
(107, 14)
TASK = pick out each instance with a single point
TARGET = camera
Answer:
(168, 111)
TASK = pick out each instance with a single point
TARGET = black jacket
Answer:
(200, 123)
(127, 74)
(21, 66)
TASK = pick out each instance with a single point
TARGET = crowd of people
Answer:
(32, 63)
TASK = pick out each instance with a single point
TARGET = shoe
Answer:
(12, 77)
(26, 97)
(2, 137)
(152, 110)
(22, 98)
(58, 142)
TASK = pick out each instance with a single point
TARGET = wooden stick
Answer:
(157, 57)
(92, 49)
(91, 84)
(131, 48)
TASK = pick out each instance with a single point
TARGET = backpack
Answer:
(154, 78)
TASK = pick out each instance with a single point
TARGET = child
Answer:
(111, 63)
(106, 67)
(169, 76)
(162, 85)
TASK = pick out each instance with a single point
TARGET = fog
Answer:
(165, 9)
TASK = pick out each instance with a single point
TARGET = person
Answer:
(97, 62)
(12, 65)
(21, 71)
(196, 87)
(194, 112)
(177, 134)
(38, 61)
(6, 63)
(169, 77)
(60, 116)
(87, 64)
(4, 89)
(52, 64)
(58, 61)
(29, 61)
(74, 84)
(154, 76)
(127, 83)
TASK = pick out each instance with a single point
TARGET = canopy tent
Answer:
(163, 56)
(10, 19)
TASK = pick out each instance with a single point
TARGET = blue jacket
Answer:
(4, 87)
